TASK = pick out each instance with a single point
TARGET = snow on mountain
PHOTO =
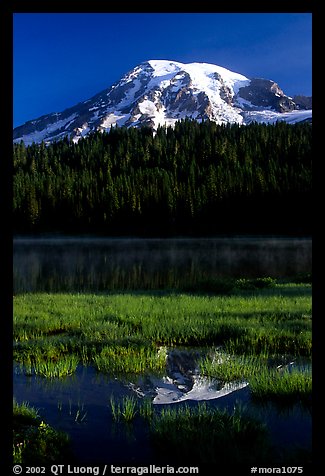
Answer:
(161, 92)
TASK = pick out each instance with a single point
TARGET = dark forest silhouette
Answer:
(193, 179)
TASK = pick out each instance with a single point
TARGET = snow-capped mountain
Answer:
(161, 92)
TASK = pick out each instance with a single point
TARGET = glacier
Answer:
(160, 93)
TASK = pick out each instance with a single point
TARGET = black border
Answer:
(7, 9)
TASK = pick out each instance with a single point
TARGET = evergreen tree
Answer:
(193, 178)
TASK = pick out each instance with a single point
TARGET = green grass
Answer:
(267, 380)
(125, 410)
(57, 369)
(203, 435)
(282, 386)
(24, 413)
(58, 366)
(253, 324)
(129, 332)
(34, 441)
(230, 368)
(118, 359)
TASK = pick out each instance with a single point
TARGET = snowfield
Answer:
(161, 92)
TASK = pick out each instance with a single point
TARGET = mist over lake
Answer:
(103, 264)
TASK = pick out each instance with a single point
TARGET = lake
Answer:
(95, 437)
(102, 264)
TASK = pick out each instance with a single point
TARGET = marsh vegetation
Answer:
(250, 331)
(34, 440)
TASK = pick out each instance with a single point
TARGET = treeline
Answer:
(195, 178)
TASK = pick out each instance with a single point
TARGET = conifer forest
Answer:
(190, 179)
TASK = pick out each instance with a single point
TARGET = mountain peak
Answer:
(161, 92)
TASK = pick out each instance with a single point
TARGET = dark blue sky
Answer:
(61, 59)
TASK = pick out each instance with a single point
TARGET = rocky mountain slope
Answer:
(161, 92)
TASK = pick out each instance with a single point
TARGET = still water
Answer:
(80, 406)
(102, 264)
